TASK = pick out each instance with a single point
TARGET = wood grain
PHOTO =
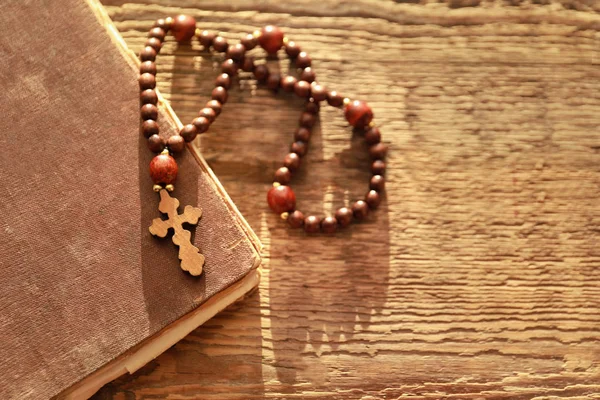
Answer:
(478, 277)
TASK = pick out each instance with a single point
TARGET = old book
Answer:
(87, 293)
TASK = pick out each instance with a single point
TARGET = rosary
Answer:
(281, 198)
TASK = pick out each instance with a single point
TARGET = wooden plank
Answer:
(478, 277)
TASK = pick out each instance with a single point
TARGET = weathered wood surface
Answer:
(478, 277)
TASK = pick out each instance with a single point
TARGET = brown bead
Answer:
(373, 199)
(373, 135)
(208, 113)
(302, 89)
(318, 92)
(176, 143)
(288, 82)
(148, 67)
(149, 111)
(206, 39)
(312, 224)
(271, 39)
(335, 99)
(308, 75)
(299, 148)
(302, 134)
(261, 73)
(236, 52)
(202, 124)
(155, 43)
(220, 94)
(248, 64)
(378, 151)
(249, 41)
(358, 114)
(219, 43)
(188, 132)
(149, 96)
(307, 120)
(158, 33)
(148, 54)
(283, 175)
(215, 105)
(292, 49)
(378, 167)
(163, 169)
(273, 81)
(184, 28)
(229, 67)
(223, 80)
(281, 199)
(163, 24)
(296, 219)
(377, 183)
(292, 161)
(149, 128)
(344, 216)
(147, 81)
(312, 107)
(360, 209)
(329, 225)
(156, 144)
(303, 60)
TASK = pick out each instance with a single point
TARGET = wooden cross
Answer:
(191, 258)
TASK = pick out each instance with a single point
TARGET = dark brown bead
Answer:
(236, 52)
(312, 224)
(261, 73)
(149, 111)
(299, 148)
(312, 107)
(158, 33)
(308, 75)
(248, 64)
(219, 43)
(373, 199)
(307, 120)
(149, 128)
(176, 143)
(229, 67)
(215, 105)
(378, 151)
(155, 43)
(329, 225)
(360, 209)
(296, 219)
(223, 80)
(378, 167)
(292, 49)
(201, 123)
(271, 39)
(163, 169)
(303, 60)
(344, 216)
(302, 133)
(318, 92)
(148, 67)
(273, 81)
(206, 39)
(148, 54)
(373, 135)
(288, 82)
(283, 175)
(147, 81)
(184, 28)
(302, 89)
(156, 144)
(149, 96)
(208, 113)
(281, 199)
(220, 94)
(377, 183)
(164, 24)
(358, 114)
(188, 132)
(335, 99)
(292, 161)
(249, 41)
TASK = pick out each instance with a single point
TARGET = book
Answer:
(88, 294)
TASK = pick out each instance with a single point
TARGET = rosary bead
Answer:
(344, 216)
(155, 43)
(373, 135)
(201, 123)
(223, 80)
(311, 107)
(281, 199)
(164, 24)
(208, 113)
(329, 225)
(303, 60)
(215, 105)
(373, 199)
(292, 49)
(335, 99)
(261, 73)
(147, 81)
(219, 43)
(189, 132)
(158, 33)
(360, 209)
(148, 54)
(176, 143)
(377, 183)
(149, 128)
(302, 89)
(288, 82)
(149, 96)
(283, 175)
(378, 151)
(236, 52)
(184, 28)
(273, 81)
(296, 219)
(206, 39)
(307, 120)
(229, 67)
(308, 75)
(292, 161)
(302, 134)
(149, 111)
(299, 148)
(358, 114)
(148, 67)
(163, 169)
(249, 41)
(248, 64)
(220, 94)
(312, 224)
(271, 39)
(318, 92)
(156, 144)
(378, 167)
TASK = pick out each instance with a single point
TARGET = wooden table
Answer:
(479, 275)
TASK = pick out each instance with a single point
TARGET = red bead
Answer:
(288, 82)
(292, 161)
(229, 67)
(220, 44)
(344, 216)
(378, 151)
(176, 143)
(378, 167)
(335, 99)
(308, 75)
(147, 81)
(223, 80)
(302, 89)
(299, 148)
(292, 49)
(373, 199)
(156, 144)
(189, 132)
(184, 28)
(307, 120)
(220, 94)
(312, 224)
(283, 175)
(149, 96)
(149, 128)
(208, 113)
(236, 52)
(271, 39)
(318, 92)
(360, 209)
(215, 105)
(329, 225)
(155, 43)
(206, 39)
(296, 219)
(261, 73)
(249, 41)
(358, 114)
(303, 60)
(302, 134)
(248, 64)
(149, 111)
(163, 169)
(158, 33)
(377, 183)
(281, 199)
(148, 67)
(201, 123)
(373, 135)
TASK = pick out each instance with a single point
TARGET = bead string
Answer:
(281, 198)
